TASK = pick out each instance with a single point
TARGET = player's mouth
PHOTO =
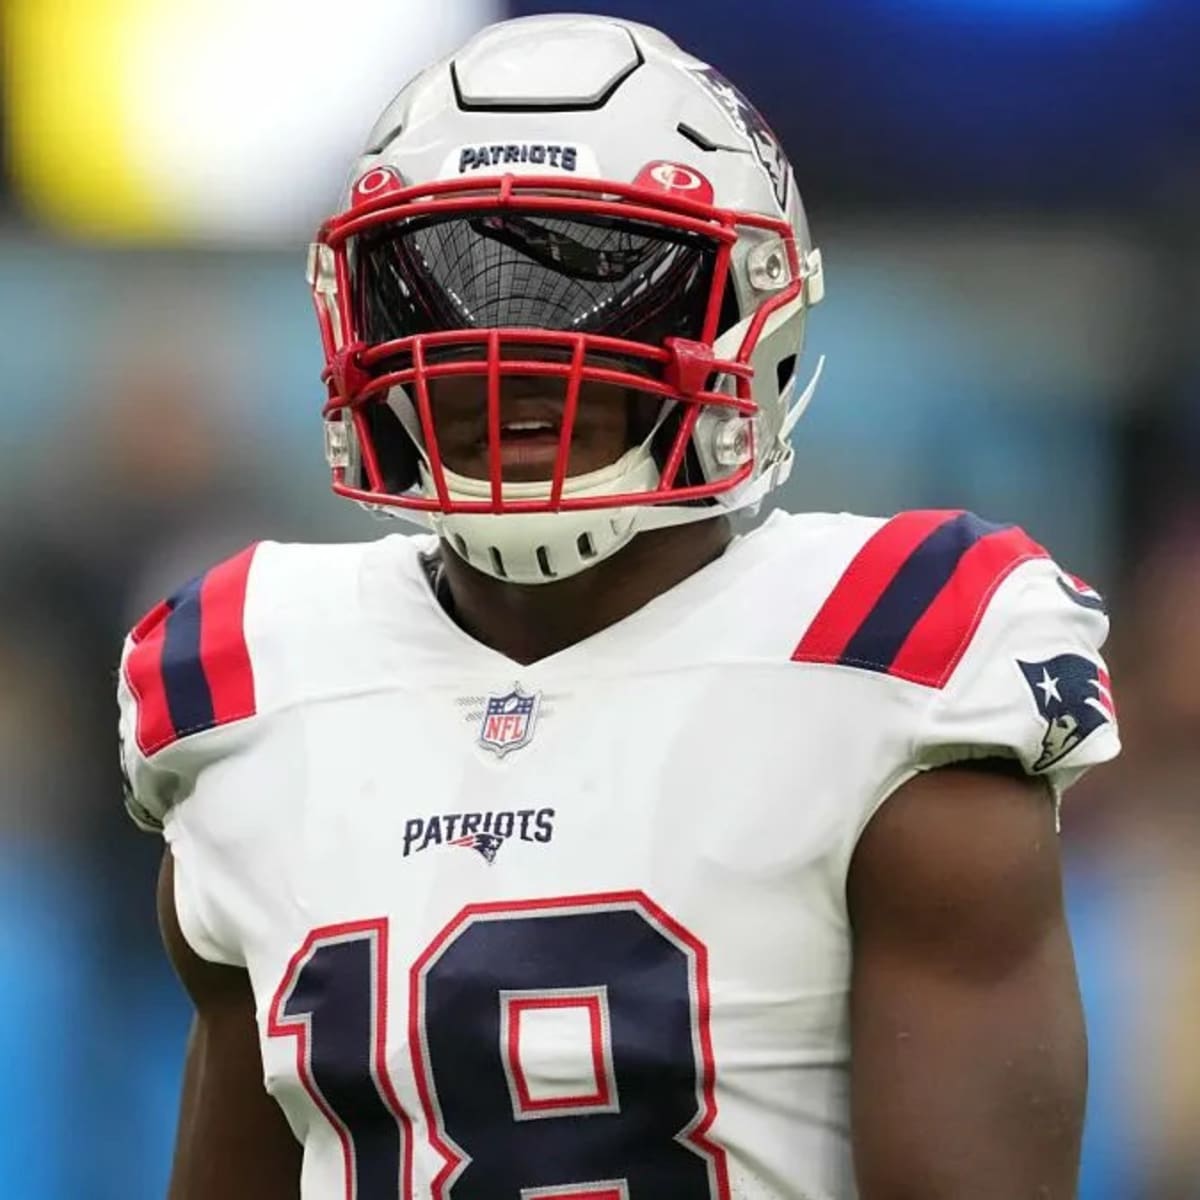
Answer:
(529, 442)
(529, 437)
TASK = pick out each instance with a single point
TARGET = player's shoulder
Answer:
(265, 628)
(272, 625)
(194, 660)
(989, 645)
(909, 596)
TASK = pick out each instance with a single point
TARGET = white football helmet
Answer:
(570, 197)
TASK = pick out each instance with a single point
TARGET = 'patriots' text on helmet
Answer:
(572, 200)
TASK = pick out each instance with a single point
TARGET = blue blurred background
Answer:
(1007, 193)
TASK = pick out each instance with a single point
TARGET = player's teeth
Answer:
(525, 426)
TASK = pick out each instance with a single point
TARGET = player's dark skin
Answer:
(968, 1048)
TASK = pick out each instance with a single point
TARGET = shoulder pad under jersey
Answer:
(980, 620)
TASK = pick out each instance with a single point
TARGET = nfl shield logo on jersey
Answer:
(508, 721)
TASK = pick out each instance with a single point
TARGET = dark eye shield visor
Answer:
(627, 280)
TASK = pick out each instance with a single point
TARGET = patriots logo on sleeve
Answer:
(1074, 696)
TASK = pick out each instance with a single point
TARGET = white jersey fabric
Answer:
(579, 928)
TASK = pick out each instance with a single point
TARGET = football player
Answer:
(581, 847)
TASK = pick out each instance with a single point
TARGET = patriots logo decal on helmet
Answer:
(751, 124)
(1074, 695)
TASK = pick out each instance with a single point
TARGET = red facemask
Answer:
(565, 279)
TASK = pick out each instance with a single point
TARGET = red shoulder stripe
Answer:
(189, 669)
(863, 583)
(910, 601)
(143, 674)
(223, 652)
(940, 637)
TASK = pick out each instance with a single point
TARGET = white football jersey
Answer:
(578, 928)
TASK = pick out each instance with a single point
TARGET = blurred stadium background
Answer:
(1007, 193)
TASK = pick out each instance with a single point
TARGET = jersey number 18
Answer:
(614, 964)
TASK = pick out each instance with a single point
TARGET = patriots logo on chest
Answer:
(485, 832)
(485, 844)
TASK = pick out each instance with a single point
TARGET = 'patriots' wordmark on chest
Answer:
(483, 832)
(555, 156)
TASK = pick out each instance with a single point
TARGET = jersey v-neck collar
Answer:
(608, 644)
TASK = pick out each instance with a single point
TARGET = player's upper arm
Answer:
(233, 1140)
(968, 1060)
(186, 692)
(968, 1048)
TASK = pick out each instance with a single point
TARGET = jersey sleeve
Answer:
(992, 650)
(185, 670)
(186, 691)
(1031, 684)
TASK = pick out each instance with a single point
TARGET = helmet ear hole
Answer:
(394, 449)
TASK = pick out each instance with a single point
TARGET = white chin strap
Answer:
(545, 547)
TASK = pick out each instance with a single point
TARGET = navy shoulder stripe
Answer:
(913, 596)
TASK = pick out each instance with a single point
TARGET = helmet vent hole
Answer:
(785, 371)
(543, 560)
(460, 544)
(586, 549)
(497, 563)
